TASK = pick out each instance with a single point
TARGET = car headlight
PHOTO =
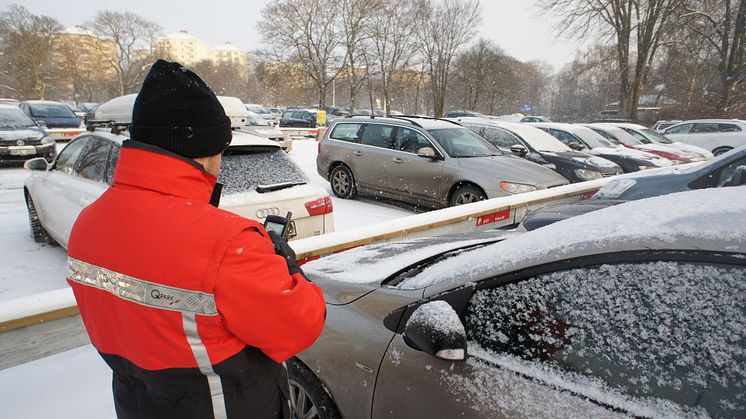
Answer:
(516, 187)
(615, 188)
(588, 174)
(47, 140)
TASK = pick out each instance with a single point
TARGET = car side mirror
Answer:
(576, 146)
(519, 150)
(41, 124)
(39, 163)
(428, 152)
(436, 329)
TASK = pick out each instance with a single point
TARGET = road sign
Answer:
(526, 108)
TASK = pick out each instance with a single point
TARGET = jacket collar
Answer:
(149, 167)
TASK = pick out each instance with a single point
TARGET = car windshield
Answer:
(254, 119)
(51, 110)
(622, 136)
(10, 118)
(244, 170)
(592, 138)
(462, 142)
(658, 138)
(539, 139)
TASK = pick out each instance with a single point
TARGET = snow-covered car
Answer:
(648, 136)
(252, 123)
(271, 117)
(643, 317)
(259, 179)
(623, 138)
(661, 125)
(716, 135)
(584, 139)
(20, 138)
(723, 171)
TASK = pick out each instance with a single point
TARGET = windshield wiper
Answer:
(277, 186)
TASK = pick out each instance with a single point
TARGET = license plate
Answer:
(22, 151)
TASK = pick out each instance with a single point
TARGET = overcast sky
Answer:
(513, 24)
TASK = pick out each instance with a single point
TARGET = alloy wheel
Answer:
(301, 403)
(341, 182)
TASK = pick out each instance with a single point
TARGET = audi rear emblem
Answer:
(264, 212)
(20, 142)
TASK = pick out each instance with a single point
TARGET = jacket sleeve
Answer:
(262, 304)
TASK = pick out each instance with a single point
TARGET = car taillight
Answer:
(320, 206)
(319, 149)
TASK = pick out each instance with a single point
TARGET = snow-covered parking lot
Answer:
(77, 383)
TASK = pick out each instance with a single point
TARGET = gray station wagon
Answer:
(429, 162)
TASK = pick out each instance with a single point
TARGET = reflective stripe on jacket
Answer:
(187, 303)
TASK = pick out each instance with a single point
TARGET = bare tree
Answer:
(445, 26)
(355, 18)
(391, 43)
(134, 38)
(306, 31)
(25, 44)
(639, 22)
(722, 24)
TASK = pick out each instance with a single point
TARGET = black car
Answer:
(298, 118)
(53, 114)
(725, 170)
(539, 147)
(584, 139)
(20, 138)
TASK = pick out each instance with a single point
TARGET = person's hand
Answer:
(283, 249)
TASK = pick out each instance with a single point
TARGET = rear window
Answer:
(247, 170)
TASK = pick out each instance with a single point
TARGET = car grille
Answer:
(4, 142)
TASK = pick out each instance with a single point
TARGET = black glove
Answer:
(283, 249)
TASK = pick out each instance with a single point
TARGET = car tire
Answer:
(38, 232)
(466, 194)
(721, 150)
(308, 398)
(343, 182)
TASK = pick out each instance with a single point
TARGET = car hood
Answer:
(349, 275)
(21, 133)
(699, 152)
(514, 170)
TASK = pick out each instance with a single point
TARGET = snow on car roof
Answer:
(678, 221)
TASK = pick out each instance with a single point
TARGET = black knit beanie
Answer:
(175, 110)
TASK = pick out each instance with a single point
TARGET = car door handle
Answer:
(397, 160)
(357, 153)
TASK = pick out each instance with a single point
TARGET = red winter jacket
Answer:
(186, 302)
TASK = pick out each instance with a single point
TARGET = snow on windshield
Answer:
(244, 172)
(635, 224)
(668, 335)
(539, 139)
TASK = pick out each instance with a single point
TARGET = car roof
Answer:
(691, 121)
(561, 125)
(637, 226)
(9, 107)
(404, 121)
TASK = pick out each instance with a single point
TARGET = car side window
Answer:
(112, 165)
(500, 138)
(93, 160)
(410, 141)
(65, 162)
(680, 129)
(733, 174)
(346, 132)
(378, 135)
(565, 137)
(639, 329)
(729, 128)
(704, 128)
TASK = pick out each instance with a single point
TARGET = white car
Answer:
(272, 118)
(252, 123)
(716, 135)
(259, 179)
(648, 136)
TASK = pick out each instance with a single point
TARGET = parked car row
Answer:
(259, 178)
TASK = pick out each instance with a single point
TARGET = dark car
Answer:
(539, 147)
(298, 118)
(584, 139)
(20, 138)
(645, 317)
(725, 170)
(53, 114)
(535, 118)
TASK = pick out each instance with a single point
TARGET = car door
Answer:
(409, 175)
(50, 192)
(372, 157)
(615, 335)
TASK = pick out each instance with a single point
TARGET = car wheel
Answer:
(721, 150)
(308, 399)
(343, 182)
(466, 194)
(38, 232)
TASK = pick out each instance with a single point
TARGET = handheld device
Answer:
(279, 224)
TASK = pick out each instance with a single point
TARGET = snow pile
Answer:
(441, 316)
(675, 221)
(36, 304)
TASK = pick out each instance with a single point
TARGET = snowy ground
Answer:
(77, 384)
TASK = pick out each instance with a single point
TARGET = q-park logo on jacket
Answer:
(157, 295)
